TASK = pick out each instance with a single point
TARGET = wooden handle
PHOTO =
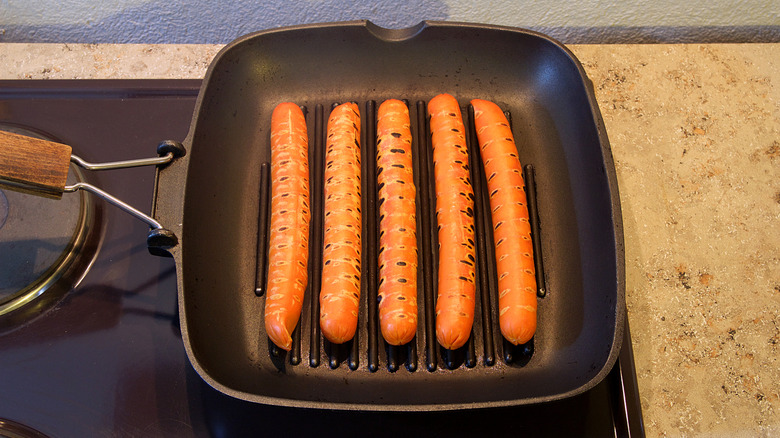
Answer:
(33, 165)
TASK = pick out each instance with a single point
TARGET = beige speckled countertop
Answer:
(695, 134)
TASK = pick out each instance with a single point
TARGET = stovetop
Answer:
(106, 358)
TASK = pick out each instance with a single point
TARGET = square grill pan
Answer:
(222, 221)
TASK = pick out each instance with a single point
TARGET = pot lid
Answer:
(43, 243)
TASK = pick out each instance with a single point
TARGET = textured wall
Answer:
(209, 21)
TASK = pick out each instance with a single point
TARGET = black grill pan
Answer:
(211, 199)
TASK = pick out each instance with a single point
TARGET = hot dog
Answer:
(290, 216)
(397, 224)
(511, 228)
(340, 292)
(455, 219)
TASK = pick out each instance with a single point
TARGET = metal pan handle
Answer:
(40, 167)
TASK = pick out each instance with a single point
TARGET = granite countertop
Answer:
(695, 134)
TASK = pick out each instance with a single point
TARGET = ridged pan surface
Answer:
(212, 196)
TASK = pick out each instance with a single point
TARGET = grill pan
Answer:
(558, 130)
(214, 199)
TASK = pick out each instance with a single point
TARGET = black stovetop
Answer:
(107, 359)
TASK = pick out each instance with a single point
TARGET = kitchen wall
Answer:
(210, 21)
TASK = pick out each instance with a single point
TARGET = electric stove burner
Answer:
(44, 248)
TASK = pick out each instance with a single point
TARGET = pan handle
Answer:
(167, 200)
(33, 165)
(40, 167)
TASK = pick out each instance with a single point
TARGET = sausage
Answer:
(397, 224)
(290, 216)
(455, 219)
(511, 228)
(340, 292)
